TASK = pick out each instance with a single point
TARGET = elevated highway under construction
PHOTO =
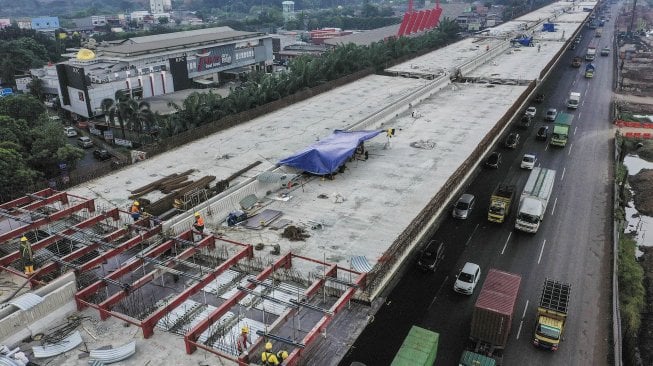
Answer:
(310, 244)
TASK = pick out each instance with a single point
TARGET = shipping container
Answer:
(492, 315)
(474, 359)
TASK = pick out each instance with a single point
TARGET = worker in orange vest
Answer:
(199, 223)
(135, 211)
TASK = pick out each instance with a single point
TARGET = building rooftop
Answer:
(178, 40)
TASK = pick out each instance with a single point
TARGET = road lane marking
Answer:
(546, 147)
(554, 205)
(580, 113)
(541, 251)
(506, 244)
(519, 330)
(470, 237)
(436, 294)
(525, 307)
(563, 174)
(575, 129)
(570, 146)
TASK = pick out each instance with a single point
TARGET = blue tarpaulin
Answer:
(326, 156)
(548, 27)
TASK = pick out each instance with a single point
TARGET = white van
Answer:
(69, 131)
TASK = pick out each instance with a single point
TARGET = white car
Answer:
(467, 278)
(531, 111)
(70, 131)
(528, 161)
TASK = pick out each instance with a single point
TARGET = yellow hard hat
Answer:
(24, 238)
(136, 203)
(197, 214)
(245, 330)
(283, 355)
(268, 346)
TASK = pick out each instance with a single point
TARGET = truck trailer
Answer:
(561, 129)
(534, 199)
(420, 347)
(492, 314)
(591, 53)
(500, 203)
(573, 101)
(551, 314)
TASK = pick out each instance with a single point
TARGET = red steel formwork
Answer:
(38, 200)
(286, 261)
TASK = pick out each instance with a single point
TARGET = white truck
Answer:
(534, 199)
(573, 101)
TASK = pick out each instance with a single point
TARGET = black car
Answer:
(539, 98)
(512, 140)
(101, 154)
(493, 160)
(525, 121)
(431, 256)
(542, 133)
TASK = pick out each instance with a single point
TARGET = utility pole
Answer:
(632, 19)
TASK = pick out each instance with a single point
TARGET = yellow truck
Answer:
(500, 203)
(551, 314)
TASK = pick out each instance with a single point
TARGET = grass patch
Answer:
(631, 297)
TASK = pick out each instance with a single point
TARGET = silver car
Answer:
(463, 206)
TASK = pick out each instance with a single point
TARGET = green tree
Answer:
(36, 89)
(22, 106)
(16, 174)
(47, 140)
(164, 20)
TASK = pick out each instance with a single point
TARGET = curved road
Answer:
(572, 245)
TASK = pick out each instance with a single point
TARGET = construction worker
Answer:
(268, 357)
(282, 355)
(243, 341)
(27, 255)
(198, 225)
(135, 211)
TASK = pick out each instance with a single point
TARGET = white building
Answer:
(160, 6)
(288, 8)
(143, 67)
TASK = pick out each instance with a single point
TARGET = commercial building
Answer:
(154, 65)
(45, 23)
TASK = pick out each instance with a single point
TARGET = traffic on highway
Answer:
(559, 244)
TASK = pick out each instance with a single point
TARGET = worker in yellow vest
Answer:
(268, 357)
(27, 255)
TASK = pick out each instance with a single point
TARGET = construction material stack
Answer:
(552, 314)
(500, 203)
(420, 348)
(492, 315)
(534, 199)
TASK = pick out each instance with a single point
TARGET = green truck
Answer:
(561, 128)
(419, 348)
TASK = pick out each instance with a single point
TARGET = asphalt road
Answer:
(573, 244)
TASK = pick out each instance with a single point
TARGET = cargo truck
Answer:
(551, 314)
(574, 100)
(534, 199)
(492, 314)
(561, 128)
(500, 203)
(591, 53)
(589, 71)
(420, 347)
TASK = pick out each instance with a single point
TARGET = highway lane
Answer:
(572, 245)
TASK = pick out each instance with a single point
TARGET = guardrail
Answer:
(616, 311)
